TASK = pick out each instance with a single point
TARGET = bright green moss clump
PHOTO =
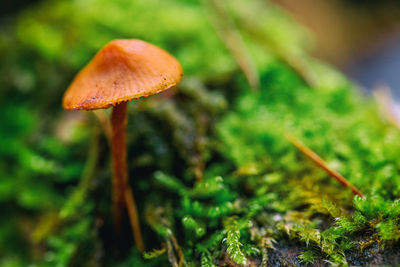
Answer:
(280, 195)
(347, 132)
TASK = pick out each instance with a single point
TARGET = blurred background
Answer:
(359, 37)
(46, 153)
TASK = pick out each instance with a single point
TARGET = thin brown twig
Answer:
(171, 254)
(134, 218)
(179, 251)
(322, 164)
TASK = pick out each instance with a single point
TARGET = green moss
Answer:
(215, 178)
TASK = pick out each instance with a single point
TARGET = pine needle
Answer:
(322, 164)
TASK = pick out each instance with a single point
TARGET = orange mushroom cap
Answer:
(121, 71)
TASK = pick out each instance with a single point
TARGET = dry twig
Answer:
(322, 164)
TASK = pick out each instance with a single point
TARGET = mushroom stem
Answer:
(122, 192)
(118, 149)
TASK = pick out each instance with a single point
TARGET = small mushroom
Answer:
(121, 71)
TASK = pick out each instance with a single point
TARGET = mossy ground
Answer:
(215, 179)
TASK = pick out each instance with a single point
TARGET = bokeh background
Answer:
(359, 37)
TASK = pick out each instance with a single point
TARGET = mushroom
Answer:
(121, 71)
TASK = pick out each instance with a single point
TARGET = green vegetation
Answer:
(215, 179)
